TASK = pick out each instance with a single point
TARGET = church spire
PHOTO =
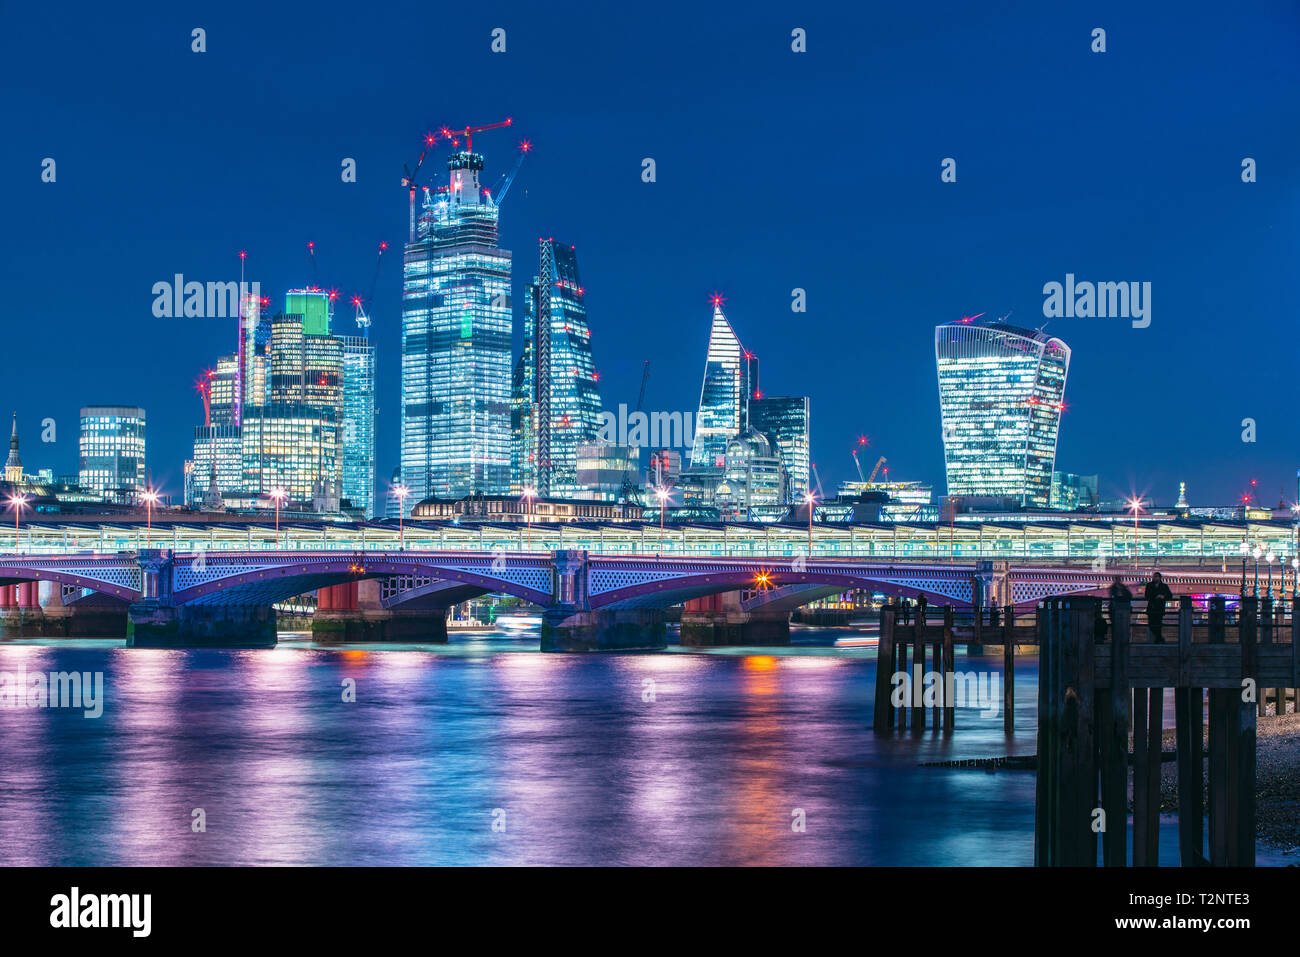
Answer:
(14, 464)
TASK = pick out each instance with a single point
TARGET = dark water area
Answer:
(487, 751)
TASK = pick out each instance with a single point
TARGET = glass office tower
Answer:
(566, 398)
(112, 446)
(456, 318)
(784, 420)
(357, 446)
(722, 395)
(1001, 394)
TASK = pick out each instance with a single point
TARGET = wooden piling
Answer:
(1188, 705)
(918, 669)
(1009, 672)
(883, 716)
(1218, 757)
(949, 667)
(1112, 741)
(1067, 786)
(1244, 783)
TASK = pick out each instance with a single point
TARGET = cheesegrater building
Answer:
(1001, 394)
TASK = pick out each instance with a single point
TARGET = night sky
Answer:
(775, 170)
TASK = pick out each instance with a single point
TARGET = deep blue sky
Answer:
(775, 170)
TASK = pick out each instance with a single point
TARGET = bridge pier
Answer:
(153, 624)
(720, 621)
(606, 629)
(353, 613)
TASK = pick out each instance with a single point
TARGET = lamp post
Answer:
(401, 491)
(17, 502)
(1136, 505)
(1244, 549)
(811, 499)
(1270, 557)
(1258, 552)
(661, 493)
(278, 495)
(150, 497)
(529, 495)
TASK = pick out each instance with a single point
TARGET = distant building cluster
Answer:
(289, 416)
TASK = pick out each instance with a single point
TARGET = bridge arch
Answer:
(219, 581)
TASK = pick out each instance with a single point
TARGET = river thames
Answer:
(487, 751)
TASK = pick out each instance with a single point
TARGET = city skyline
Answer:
(584, 182)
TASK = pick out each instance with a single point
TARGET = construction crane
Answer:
(408, 181)
(498, 195)
(469, 131)
(820, 492)
(879, 462)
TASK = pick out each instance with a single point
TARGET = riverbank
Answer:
(1277, 780)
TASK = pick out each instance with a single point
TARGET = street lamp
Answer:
(1270, 557)
(150, 497)
(1244, 549)
(278, 495)
(401, 491)
(662, 494)
(529, 494)
(1136, 505)
(17, 502)
(811, 499)
(1258, 552)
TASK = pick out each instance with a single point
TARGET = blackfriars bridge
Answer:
(224, 595)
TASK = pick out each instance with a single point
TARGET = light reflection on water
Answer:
(681, 757)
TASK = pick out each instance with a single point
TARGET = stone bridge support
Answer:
(570, 624)
(353, 612)
(719, 620)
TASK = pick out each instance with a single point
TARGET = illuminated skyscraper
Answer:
(1001, 394)
(357, 446)
(564, 394)
(456, 343)
(722, 396)
(784, 420)
(112, 451)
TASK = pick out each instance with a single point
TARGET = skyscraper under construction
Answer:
(456, 343)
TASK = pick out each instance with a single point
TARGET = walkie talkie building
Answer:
(1001, 394)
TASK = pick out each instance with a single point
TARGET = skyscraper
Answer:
(566, 398)
(1001, 394)
(112, 447)
(357, 445)
(784, 420)
(456, 343)
(722, 396)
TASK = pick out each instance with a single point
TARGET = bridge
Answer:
(590, 600)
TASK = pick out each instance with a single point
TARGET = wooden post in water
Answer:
(1188, 705)
(1243, 783)
(1265, 638)
(900, 714)
(1009, 672)
(949, 666)
(883, 716)
(1218, 757)
(1112, 742)
(918, 669)
(1141, 793)
(1067, 768)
